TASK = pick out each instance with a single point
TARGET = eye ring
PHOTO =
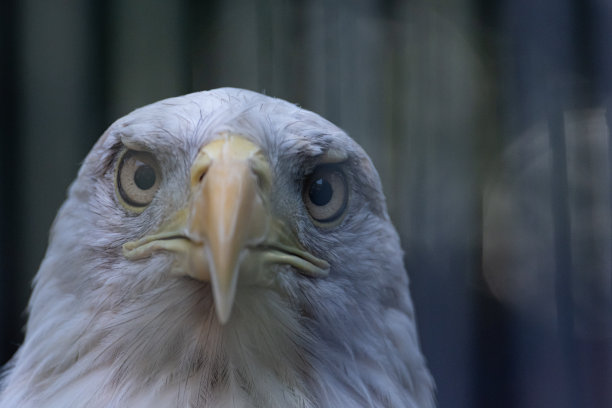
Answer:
(137, 180)
(325, 194)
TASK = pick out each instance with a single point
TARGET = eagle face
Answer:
(222, 248)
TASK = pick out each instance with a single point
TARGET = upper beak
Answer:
(228, 217)
(228, 211)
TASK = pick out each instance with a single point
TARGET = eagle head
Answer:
(222, 248)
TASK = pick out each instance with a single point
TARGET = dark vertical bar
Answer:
(98, 15)
(332, 69)
(265, 47)
(609, 123)
(200, 44)
(10, 335)
(146, 51)
(563, 247)
(298, 23)
(601, 24)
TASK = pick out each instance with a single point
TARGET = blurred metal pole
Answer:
(562, 244)
(609, 123)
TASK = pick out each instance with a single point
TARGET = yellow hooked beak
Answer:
(226, 227)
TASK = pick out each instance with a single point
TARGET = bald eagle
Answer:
(221, 249)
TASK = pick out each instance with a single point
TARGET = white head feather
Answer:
(107, 331)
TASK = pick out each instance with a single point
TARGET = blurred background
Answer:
(489, 122)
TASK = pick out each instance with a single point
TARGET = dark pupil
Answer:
(320, 192)
(144, 178)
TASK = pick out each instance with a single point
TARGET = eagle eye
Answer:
(325, 194)
(138, 178)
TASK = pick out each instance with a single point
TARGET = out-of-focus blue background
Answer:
(488, 121)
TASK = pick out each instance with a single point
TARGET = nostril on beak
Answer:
(200, 169)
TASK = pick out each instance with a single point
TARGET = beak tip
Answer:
(223, 311)
(224, 294)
